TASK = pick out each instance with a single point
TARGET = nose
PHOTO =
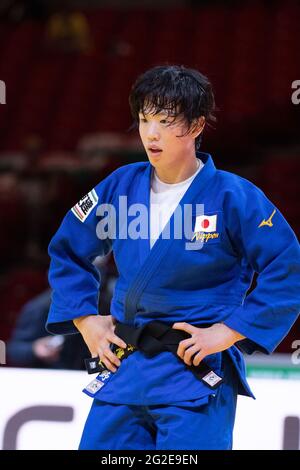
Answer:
(152, 132)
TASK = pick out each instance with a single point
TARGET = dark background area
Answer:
(68, 68)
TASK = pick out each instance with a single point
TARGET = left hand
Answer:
(205, 341)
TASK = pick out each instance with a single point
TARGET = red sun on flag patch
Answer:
(205, 223)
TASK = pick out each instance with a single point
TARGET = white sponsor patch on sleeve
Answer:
(83, 208)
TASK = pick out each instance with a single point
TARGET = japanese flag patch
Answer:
(206, 223)
(207, 228)
(84, 207)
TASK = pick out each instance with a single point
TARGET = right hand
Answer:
(98, 334)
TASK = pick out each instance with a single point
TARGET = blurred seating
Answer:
(16, 288)
(64, 96)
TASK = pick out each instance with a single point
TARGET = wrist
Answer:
(232, 335)
(79, 321)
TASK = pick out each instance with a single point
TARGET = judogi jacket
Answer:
(170, 283)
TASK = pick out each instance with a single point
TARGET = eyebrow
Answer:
(161, 113)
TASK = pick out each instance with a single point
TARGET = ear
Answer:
(199, 126)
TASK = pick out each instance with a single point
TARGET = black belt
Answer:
(151, 339)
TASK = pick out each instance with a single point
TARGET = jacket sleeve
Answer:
(74, 279)
(261, 236)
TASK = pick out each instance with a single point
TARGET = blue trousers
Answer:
(191, 425)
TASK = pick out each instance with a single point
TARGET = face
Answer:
(164, 139)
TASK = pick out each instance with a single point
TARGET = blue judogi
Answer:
(171, 284)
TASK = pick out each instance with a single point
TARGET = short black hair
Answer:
(176, 89)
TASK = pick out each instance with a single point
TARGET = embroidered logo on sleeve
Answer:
(268, 222)
(83, 208)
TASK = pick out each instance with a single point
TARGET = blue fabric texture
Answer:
(171, 284)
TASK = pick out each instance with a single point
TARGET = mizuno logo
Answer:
(269, 221)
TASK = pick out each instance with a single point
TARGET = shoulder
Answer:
(129, 169)
(125, 173)
(120, 179)
(243, 200)
(237, 187)
(106, 191)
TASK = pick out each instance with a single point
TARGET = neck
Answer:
(177, 173)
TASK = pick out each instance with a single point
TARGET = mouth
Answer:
(154, 150)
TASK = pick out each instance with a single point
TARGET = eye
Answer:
(164, 121)
(142, 119)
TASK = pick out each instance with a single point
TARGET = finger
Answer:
(199, 357)
(107, 353)
(189, 353)
(106, 363)
(185, 327)
(186, 343)
(116, 340)
(94, 352)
